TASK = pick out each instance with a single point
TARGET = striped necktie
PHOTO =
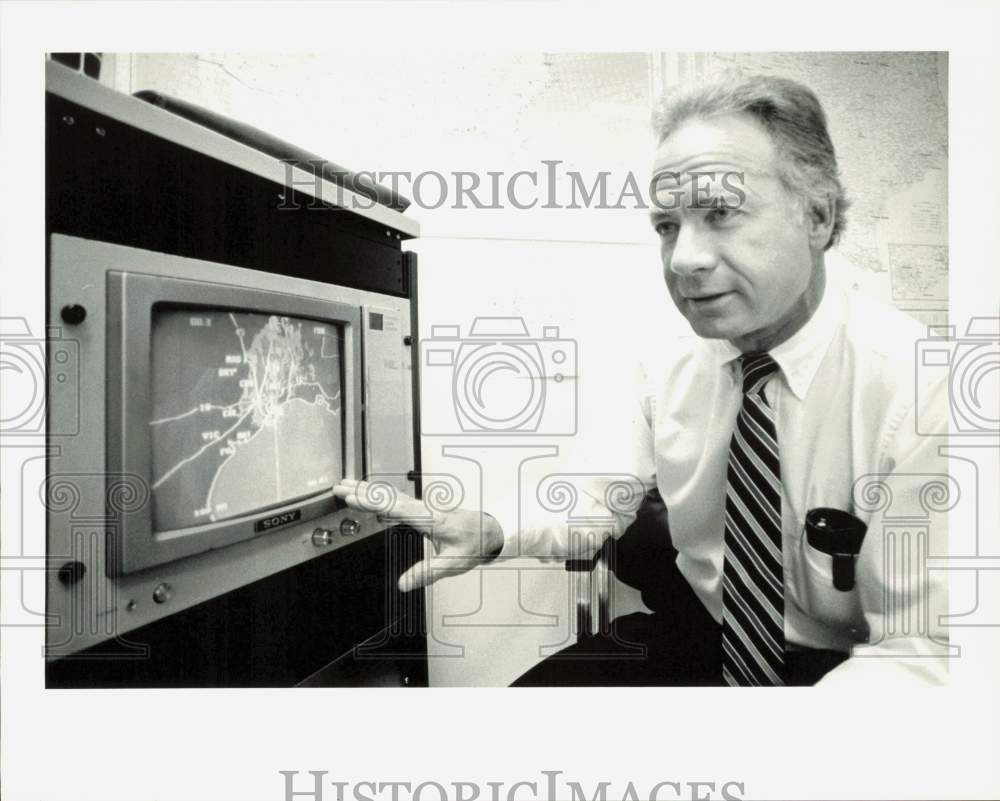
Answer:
(753, 590)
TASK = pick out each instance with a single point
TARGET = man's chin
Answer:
(714, 328)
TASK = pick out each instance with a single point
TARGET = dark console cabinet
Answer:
(319, 618)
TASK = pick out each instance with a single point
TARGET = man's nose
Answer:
(693, 251)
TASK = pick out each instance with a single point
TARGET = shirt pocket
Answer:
(820, 600)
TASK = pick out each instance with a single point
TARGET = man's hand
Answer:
(460, 540)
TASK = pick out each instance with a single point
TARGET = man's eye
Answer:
(666, 228)
(722, 214)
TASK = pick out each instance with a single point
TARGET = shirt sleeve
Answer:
(903, 602)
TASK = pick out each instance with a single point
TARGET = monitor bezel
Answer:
(132, 297)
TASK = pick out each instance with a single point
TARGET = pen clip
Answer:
(843, 571)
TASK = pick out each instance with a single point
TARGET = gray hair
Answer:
(793, 118)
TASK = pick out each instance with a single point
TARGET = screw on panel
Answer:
(73, 314)
(71, 572)
(162, 593)
(322, 536)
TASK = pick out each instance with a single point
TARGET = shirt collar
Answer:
(800, 355)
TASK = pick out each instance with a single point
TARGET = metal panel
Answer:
(63, 82)
(388, 416)
(77, 483)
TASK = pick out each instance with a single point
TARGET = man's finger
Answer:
(431, 569)
(344, 489)
(362, 495)
(350, 497)
(374, 496)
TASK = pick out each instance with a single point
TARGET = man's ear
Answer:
(821, 217)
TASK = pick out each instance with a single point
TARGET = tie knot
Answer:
(757, 368)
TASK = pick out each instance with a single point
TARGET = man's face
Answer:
(734, 242)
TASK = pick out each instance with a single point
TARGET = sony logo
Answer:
(274, 521)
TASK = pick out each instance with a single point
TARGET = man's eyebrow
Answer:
(676, 179)
(717, 165)
(657, 215)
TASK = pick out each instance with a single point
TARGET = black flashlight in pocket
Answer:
(839, 534)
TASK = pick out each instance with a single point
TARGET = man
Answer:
(794, 395)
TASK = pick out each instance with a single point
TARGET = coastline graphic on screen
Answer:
(246, 413)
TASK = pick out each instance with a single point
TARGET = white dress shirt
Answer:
(847, 399)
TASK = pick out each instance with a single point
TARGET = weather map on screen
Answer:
(246, 413)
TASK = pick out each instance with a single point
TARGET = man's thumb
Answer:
(416, 576)
(430, 570)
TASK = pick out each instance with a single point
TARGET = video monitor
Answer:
(238, 408)
(246, 413)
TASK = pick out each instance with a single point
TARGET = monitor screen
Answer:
(246, 412)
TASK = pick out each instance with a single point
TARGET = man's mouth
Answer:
(705, 298)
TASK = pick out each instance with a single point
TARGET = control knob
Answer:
(322, 536)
